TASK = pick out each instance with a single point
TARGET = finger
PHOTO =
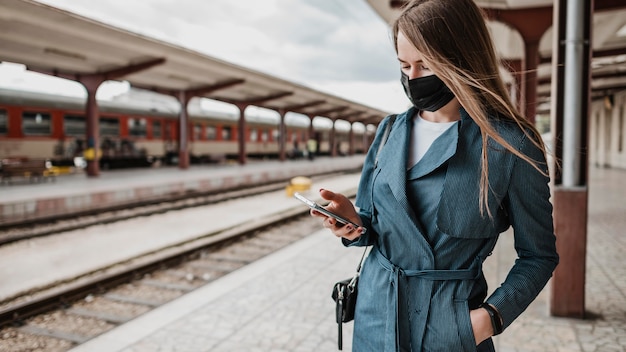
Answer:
(346, 230)
(350, 232)
(328, 195)
(330, 222)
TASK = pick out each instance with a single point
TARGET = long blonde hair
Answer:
(453, 39)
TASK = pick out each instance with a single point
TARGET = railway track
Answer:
(68, 315)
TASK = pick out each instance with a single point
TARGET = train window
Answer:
(4, 122)
(109, 126)
(210, 133)
(264, 136)
(156, 129)
(168, 131)
(137, 127)
(36, 123)
(74, 125)
(197, 132)
(226, 133)
(254, 135)
(275, 135)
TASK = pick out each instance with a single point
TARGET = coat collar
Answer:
(442, 149)
(392, 163)
(393, 156)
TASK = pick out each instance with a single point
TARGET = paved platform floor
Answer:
(282, 302)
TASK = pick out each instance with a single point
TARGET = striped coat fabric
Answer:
(429, 238)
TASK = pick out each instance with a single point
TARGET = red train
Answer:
(141, 129)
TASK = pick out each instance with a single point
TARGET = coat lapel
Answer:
(442, 149)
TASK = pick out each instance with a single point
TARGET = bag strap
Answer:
(392, 119)
(352, 282)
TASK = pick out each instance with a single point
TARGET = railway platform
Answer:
(282, 302)
(24, 201)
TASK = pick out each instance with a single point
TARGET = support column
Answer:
(531, 32)
(311, 136)
(283, 135)
(92, 148)
(91, 82)
(311, 128)
(183, 130)
(331, 140)
(351, 140)
(241, 135)
(570, 225)
(529, 80)
(571, 95)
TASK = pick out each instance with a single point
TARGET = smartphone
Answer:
(321, 209)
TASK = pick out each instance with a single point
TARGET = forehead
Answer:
(406, 50)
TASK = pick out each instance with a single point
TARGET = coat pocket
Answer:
(464, 325)
(449, 327)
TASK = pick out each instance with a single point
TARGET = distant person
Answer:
(458, 168)
(59, 148)
(296, 152)
(311, 146)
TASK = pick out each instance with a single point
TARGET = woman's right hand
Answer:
(342, 206)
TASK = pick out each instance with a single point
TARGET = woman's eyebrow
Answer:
(415, 62)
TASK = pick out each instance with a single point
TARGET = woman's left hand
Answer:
(481, 325)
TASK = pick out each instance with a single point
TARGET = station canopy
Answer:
(63, 44)
(608, 65)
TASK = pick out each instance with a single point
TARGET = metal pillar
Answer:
(241, 135)
(351, 140)
(92, 150)
(529, 82)
(573, 93)
(311, 128)
(283, 135)
(331, 140)
(183, 131)
(571, 101)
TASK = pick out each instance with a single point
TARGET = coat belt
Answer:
(395, 275)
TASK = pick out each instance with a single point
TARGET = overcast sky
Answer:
(337, 46)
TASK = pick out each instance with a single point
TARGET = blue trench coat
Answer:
(424, 272)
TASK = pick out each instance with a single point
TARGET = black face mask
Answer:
(426, 93)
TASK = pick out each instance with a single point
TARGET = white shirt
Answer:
(423, 135)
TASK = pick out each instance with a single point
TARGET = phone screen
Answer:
(321, 209)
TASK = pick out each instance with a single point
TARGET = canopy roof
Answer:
(608, 42)
(57, 42)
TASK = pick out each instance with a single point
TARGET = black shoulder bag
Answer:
(345, 291)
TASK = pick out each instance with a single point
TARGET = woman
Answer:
(458, 168)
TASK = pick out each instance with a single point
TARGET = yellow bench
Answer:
(298, 184)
